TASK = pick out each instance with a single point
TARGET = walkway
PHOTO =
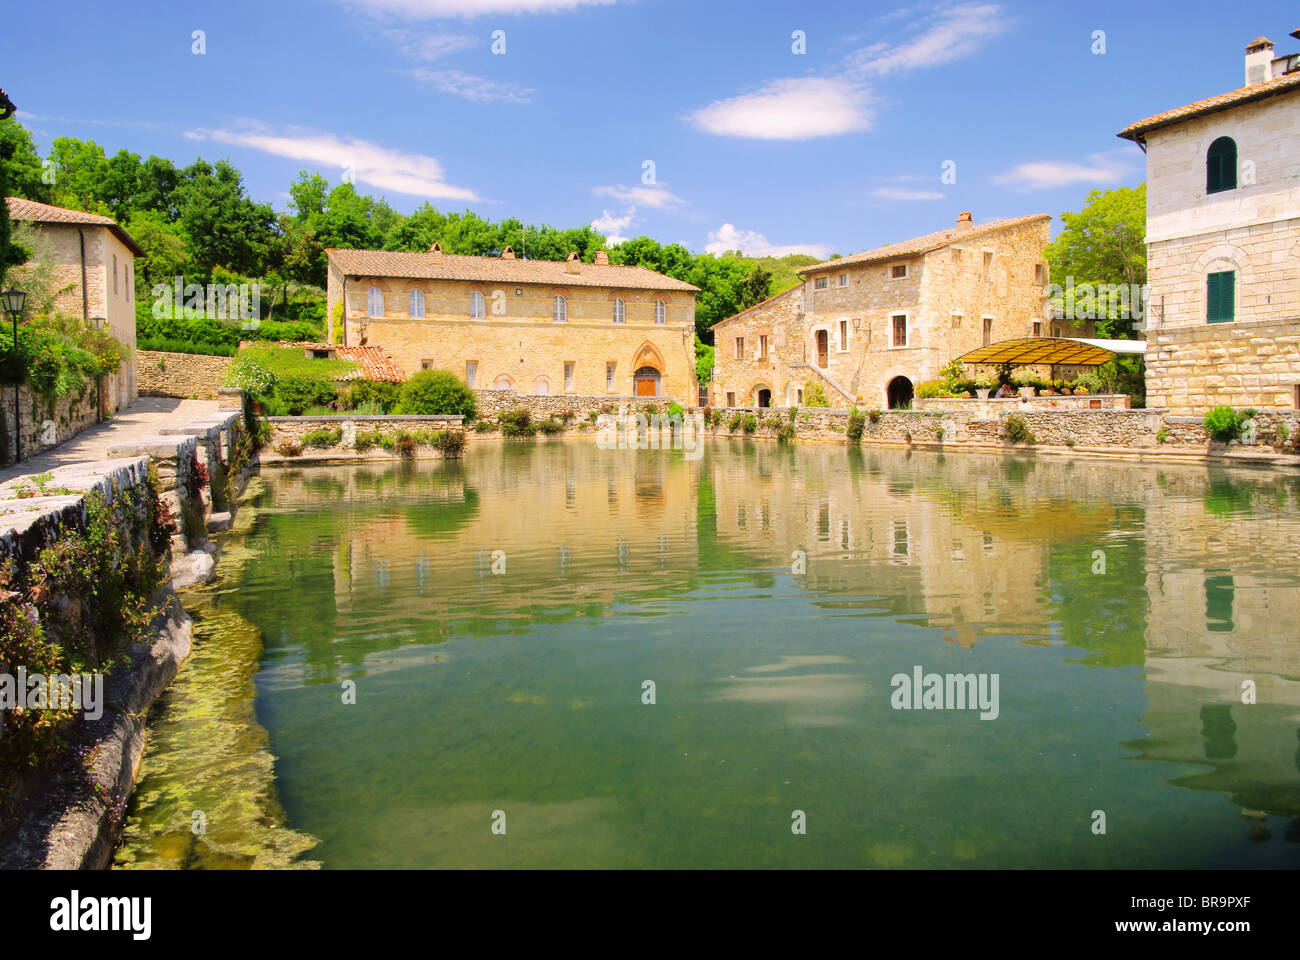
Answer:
(140, 419)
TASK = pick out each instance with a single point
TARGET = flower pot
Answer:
(1026, 392)
(982, 393)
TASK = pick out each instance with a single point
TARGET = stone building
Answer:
(534, 326)
(1223, 243)
(94, 271)
(869, 327)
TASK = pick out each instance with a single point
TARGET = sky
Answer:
(770, 127)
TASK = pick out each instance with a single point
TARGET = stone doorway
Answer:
(646, 380)
(900, 393)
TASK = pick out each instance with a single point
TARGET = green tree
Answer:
(166, 249)
(223, 224)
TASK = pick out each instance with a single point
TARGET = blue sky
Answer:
(755, 146)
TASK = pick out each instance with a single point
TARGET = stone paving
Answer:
(145, 417)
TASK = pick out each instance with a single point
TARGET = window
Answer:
(844, 279)
(130, 282)
(988, 266)
(609, 376)
(416, 307)
(762, 346)
(740, 348)
(568, 374)
(620, 311)
(956, 321)
(1221, 166)
(477, 306)
(988, 330)
(900, 330)
(661, 312)
(561, 311)
(541, 387)
(375, 302)
(471, 372)
(428, 365)
(820, 283)
(844, 335)
(898, 271)
(1038, 328)
(731, 399)
(115, 274)
(1040, 274)
(1220, 296)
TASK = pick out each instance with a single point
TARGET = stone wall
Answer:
(1193, 368)
(180, 374)
(492, 402)
(1082, 401)
(44, 425)
(288, 433)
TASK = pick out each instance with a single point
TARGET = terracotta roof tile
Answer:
(917, 245)
(23, 209)
(452, 266)
(1283, 84)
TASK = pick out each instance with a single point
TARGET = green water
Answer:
(513, 681)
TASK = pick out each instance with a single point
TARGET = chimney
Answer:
(602, 258)
(435, 252)
(572, 264)
(964, 222)
(508, 253)
(1259, 59)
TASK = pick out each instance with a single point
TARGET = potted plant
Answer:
(984, 386)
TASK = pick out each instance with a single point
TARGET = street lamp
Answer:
(12, 301)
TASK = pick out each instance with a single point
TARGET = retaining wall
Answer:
(162, 374)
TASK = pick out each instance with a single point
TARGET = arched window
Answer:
(502, 383)
(661, 312)
(620, 311)
(561, 314)
(541, 387)
(375, 302)
(1221, 166)
(477, 306)
(417, 304)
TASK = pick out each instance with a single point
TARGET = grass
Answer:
(292, 362)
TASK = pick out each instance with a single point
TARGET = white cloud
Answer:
(656, 196)
(946, 36)
(899, 193)
(1101, 168)
(430, 46)
(752, 244)
(468, 9)
(478, 89)
(395, 170)
(793, 109)
(612, 226)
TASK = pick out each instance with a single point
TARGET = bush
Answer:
(930, 389)
(516, 423)
(323, 437)
(450, 442)
(551, 426)
(365, 439)
(370, 396)
(298, 393)
(814, 395)
(857, 422)
(750, 423)
(253, 377)
(437, 392)
(786, 433)
(404, 444)
(875, 415)
(676, 411)
(1018, 430)
(1224, 424)
(482, 426)
(736, 422)
(288, 448)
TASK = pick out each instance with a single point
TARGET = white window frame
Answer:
(820, 283)
(661, 312)
(1035, 328)
(844, 336)
(568, 374)
(907, 271)
(477, 305)
(907, 331)
(609, 376)
(415, 303)
(375, 302)
(987, 319)
(844, 279)
(762, 346)
(620, 310)
(471, 373)
(955, 319)
(560, 310)
(739, 345)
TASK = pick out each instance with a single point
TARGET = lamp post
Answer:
(12, 301)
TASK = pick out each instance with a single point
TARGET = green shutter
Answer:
(1220, 297)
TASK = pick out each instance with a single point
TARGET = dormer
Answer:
(508, 253)
(572, 263)
(435, 252)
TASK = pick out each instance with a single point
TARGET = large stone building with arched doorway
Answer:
(533, 326)
(868, 328)
(1223, 243)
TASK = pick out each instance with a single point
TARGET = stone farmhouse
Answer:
(94, 271)
(1223, 243)
(533, 326)
(869, 327)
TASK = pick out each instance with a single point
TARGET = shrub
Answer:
(771, 423)
(736, 422)
(750, 423)
(1162, 435)
(298, 393)
(482, 426)
(676, 411)
(404, 444)
(1224, 424)
(516, 423)
(288, 448)
(875, 415)
(1018, 430)
(254, 378)
(929, 389)
(786, 433)
(551, 426)
(857, 422)
(437, 392)
(450, 442)
(365, 439)
(814, 395)
(371, 396)
(323, 437)
(793, 413)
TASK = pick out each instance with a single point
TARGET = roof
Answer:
(374, 363)
(1075, 350)
(454, 266)
(917, 245)
(1284, 84)
(30, 210)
